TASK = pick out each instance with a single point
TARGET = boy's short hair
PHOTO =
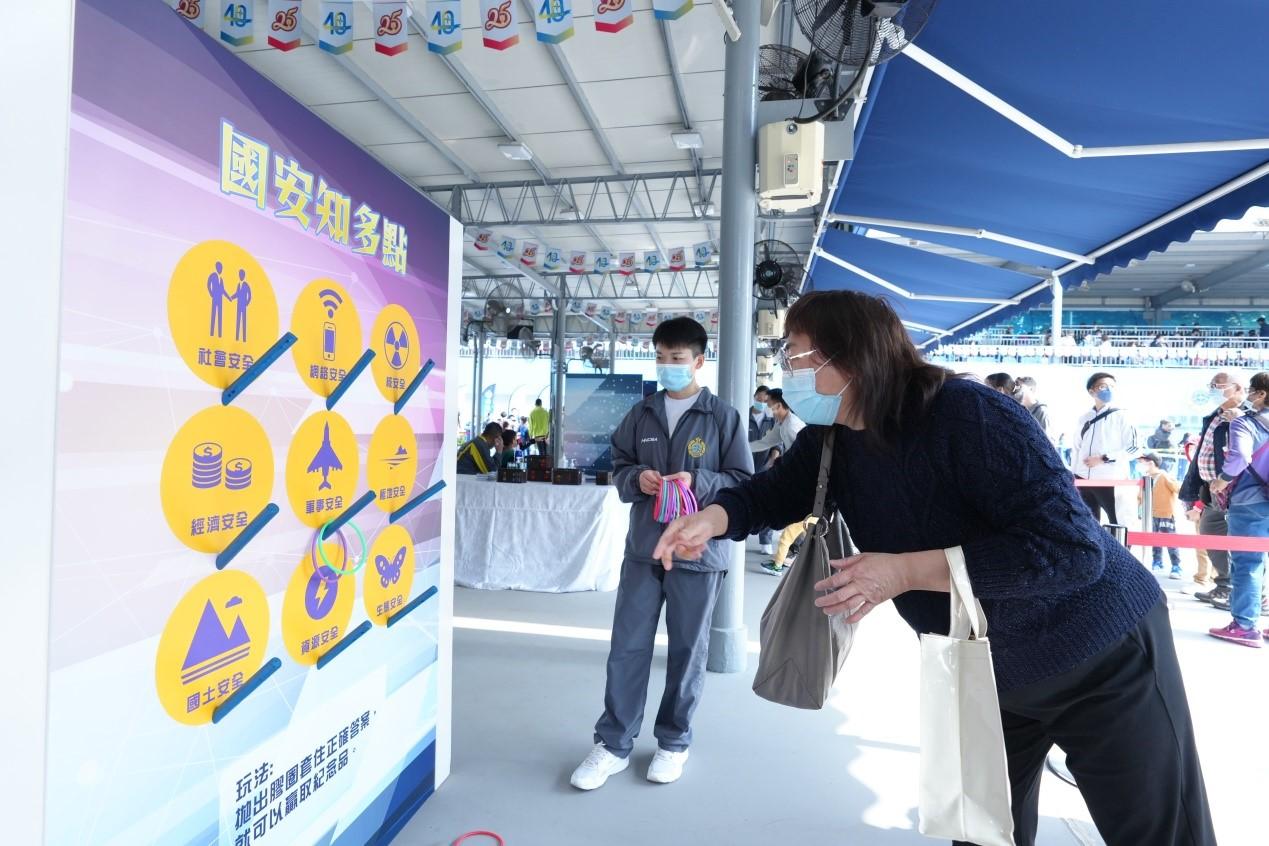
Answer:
(492, 429)
(1029, 381)
(1152, 457)
(679, 333)
(508, 437)
(1097, 377)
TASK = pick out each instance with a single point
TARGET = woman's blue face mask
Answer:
(805, 400)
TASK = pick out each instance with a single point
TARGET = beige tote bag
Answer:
(964, 768)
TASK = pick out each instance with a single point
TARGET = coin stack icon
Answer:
(238, 474)
(207, 465)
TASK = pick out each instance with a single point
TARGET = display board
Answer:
(252, 542)
(594, 406)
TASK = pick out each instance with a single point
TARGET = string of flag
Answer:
(552, 259)
(641, 321)
(443, 21)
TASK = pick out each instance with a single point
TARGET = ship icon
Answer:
(325, 461)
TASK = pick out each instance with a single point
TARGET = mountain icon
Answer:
(211, 647)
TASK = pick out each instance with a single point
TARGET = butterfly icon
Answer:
(390, 571)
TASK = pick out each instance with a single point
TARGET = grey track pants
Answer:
(689, 598)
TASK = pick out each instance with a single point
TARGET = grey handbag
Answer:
(803, 648)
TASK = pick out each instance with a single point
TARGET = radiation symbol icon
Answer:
(396, 345)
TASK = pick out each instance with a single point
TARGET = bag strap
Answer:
(1090, 423)
(967, 618)
(821, 485)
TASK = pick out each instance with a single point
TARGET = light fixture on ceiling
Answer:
(517, 152)
(1190, 264)
(687, 140)
(1187, 286)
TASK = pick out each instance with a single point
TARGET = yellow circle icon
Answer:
(389, 574)
(316, 610)
(321, 468)
(215, 639)
(328, 333)
(392, 462)
(217, 476)
(397, 355)
(221, 310)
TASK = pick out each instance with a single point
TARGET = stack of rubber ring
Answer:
(675, 499)
(326, 569)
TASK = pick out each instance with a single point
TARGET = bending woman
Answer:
(924, 461)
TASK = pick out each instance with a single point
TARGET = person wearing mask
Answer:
(1228, 395)
(788, 425)
(539, 426)
(1244, 483)
(924, 461)
(760, 423)
(1105, 446)
(682, 432)
(1001, 382)
(1163, 507)
(480, 455)
(1025, 392)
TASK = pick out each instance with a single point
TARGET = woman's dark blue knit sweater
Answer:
(976, 472)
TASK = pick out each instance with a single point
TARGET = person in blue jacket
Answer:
(924, 461)
(682, 432)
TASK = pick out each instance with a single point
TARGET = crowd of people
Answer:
(1229, 453)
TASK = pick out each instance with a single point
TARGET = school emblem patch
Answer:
(696, 448)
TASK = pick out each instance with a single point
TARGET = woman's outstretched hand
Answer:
(687, 537)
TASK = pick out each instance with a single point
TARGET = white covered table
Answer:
(540, 537)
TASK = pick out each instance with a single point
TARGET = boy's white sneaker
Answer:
(667, 766)
(594, 771)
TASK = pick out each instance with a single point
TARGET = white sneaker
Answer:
(667, 766)
(767, 550)
(594, 771)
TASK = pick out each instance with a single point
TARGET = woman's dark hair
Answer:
(1001, 382)
(776, 395)
(862, 333)
(679, 333)
(1259, 382)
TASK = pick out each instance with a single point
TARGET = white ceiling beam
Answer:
(380, 93)
(903, 292)
(965, 231)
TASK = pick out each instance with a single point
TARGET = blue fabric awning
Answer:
(1098, 74)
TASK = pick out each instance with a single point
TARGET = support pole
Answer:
(728, 636)
(612, 347)
(477, 382)
(561, 367)
(1055, 284)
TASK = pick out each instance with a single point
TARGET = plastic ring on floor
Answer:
(471, 834)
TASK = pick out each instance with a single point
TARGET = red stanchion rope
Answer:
(1225, 542)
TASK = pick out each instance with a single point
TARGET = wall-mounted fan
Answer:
(777, 273)
(851, 35)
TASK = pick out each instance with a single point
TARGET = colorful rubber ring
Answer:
(321, 551)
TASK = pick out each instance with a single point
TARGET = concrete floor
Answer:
(528, 687)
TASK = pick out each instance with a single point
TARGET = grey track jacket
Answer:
(711, 442)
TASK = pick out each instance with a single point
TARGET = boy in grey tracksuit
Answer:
(688, 432)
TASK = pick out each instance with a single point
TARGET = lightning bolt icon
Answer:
(320, 593)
